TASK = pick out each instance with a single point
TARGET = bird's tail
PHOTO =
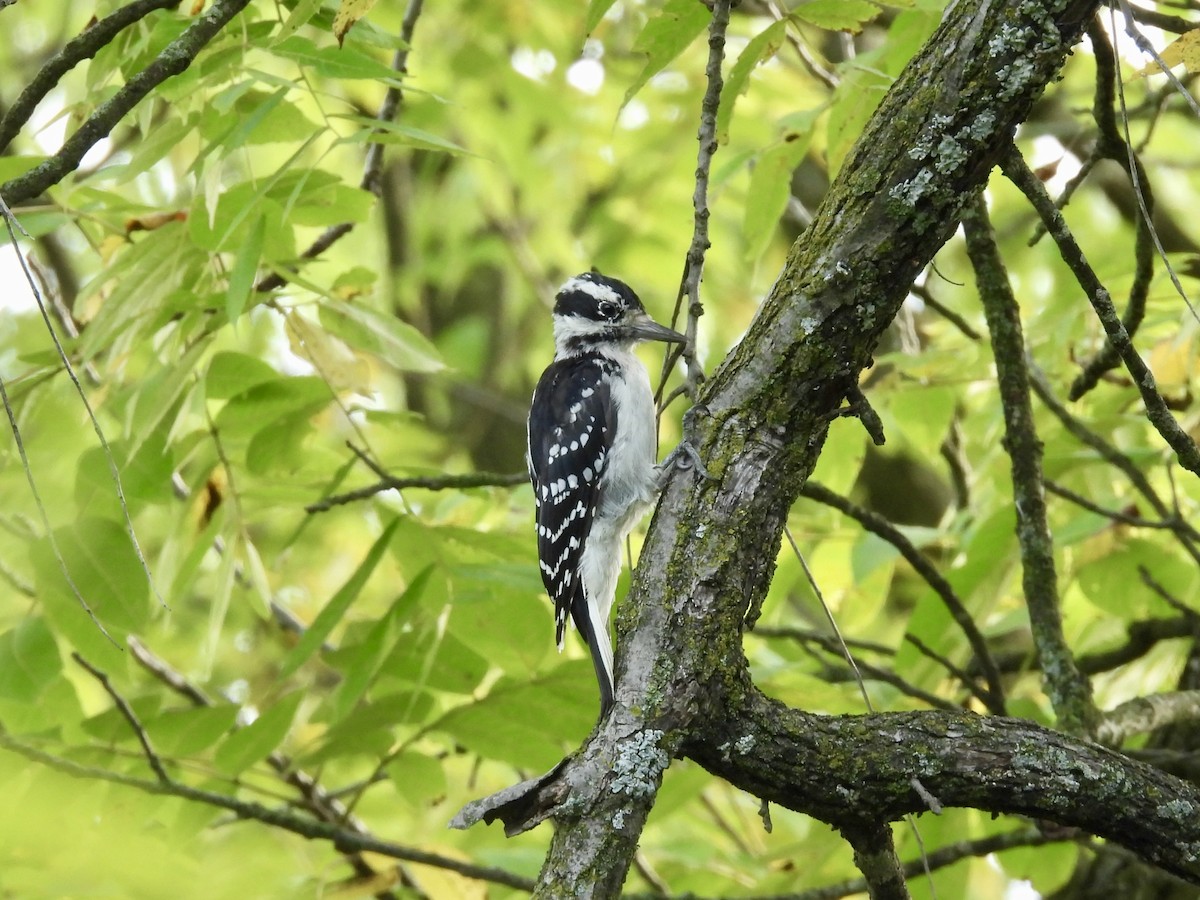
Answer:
(600, 645)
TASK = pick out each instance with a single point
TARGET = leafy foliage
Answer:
(398, 643)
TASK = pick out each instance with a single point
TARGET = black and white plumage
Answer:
(593, 444)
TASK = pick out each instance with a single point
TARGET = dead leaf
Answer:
(349, 12)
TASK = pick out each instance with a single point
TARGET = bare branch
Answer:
(993, 697)
(175, 58)
(344, 839)
(130, 716)
(1068, 689)
(1157, 411)
(1142, 715)
(86, 45)
(429, 483)
(372, 179)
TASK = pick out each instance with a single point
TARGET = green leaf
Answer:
(531, 723)
(106, 570)
(279, 447)
(301, 13)
(666, 36)
(29, 660)
(365, 660)
(419, 779)
(770, 187)
(271, 401)
(250, 117)
(333, 62)
(248, 745)
(856, 98)
(837, 15)
(230, 374)
(595, 12)
(337, 606)
(388, 132)
(396, 342)
(1113, 583)
(760, 48)
(454, 668)
(241, 277)
(186, 732)
(13, 166)
(368, 730)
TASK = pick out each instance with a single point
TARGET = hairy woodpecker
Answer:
(593, 443)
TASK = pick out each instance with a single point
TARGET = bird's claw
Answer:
(685, 457)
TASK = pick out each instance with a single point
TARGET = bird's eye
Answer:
(608, 309)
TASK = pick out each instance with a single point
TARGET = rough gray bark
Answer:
(683, 686)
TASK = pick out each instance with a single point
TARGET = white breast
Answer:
(629, 480)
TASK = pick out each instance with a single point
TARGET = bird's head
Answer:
(593, 311)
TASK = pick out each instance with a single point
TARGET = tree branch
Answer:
(1069, 691)
(993, 697)
(1157, 412)
(372, 179)
(344, 839)
(428, 482)
(175, 58)
(1142, 715)
(709, 555)
(84, 46)
(129, 715)
(875, 856)
(834, 767)
(938, 859)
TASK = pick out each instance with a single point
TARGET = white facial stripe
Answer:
(592, 289)
(567, 328)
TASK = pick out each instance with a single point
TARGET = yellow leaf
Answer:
(349, 12)
(338, 364)
(1185, 49)
(111, 245)
(1173, 360)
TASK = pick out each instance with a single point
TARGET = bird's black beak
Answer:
(644, 328)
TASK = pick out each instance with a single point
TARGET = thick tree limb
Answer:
(1142, 715)
(708, 557)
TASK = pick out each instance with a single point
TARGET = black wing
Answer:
(571, 425)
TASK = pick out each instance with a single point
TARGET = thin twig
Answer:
(945, 312)
(993, 698)
(693, 266)
(430, 483)
(1068, 689)
(839, 648)
(113, 471)
(1111, 145)
(344, 839)
(41, 508)
(1157, 412)
(317, 800)
(130, 716)
(1172, 524)
(372, 178)
(1134, 174)
(938, 859)
(1143, 636)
